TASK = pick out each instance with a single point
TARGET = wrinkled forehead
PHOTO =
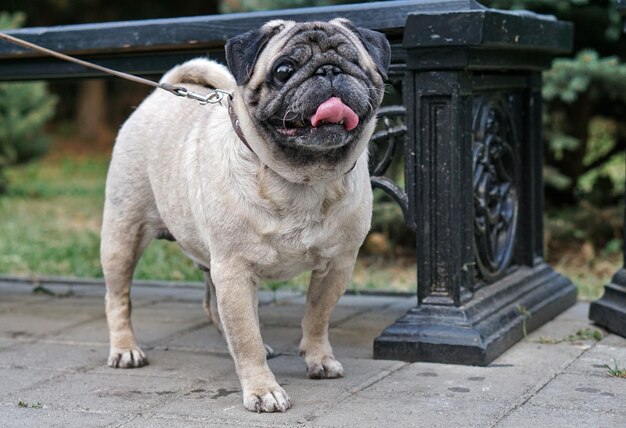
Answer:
(306, 38)
(321, 35)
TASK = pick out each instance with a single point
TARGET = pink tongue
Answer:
(334, 110)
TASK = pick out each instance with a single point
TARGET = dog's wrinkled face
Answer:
(311, 90)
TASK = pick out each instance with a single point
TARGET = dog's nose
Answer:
(328, 69)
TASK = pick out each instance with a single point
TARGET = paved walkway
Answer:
(53, 351)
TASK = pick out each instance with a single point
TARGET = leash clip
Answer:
(214, 97)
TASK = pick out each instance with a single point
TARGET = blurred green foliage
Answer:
(571, 78)
(24, 110)
(584, 104)
(601, 12)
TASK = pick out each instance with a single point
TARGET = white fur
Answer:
(179, 165)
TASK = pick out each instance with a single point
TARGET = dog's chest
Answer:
(290, 244)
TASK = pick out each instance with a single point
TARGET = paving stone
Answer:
(354, 337)
(38, 319)
(13, 416)
(289, 314)
(168, 294)
(53, 356)
(594, 361)
(17, 379)
(566, 330)
(285, 340)
(538, 357)
(118, 392)
(94, 292)
(531, 416)
(222, 402)
(94, 332)
(583, 393)
(576, 313)
(437, 395)
(7, 306)
(12, 301)
(151, 323)
(53, 350)
(5, 342)
(564, 325)
(204, 338)
(185, 365)
(614, 340)
(155, 322)
(368, 301)
(353, 343)
(9, 289)
(96, 288)
(196, 294)
(163, 291)
(279, 296)
(142, 421)
(348, 340)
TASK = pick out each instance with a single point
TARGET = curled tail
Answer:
(203, 72)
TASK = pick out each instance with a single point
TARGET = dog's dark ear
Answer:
(242, 52)
(378, 47)
(375, 43)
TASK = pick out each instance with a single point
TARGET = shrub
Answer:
(584, 104)
(24, 109)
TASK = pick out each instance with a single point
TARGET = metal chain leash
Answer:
(214, 97)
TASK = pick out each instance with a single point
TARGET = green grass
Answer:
(25, 404)
(51, 220)
(584, 243)
(616, 371)
(590, 286)
(51, 217)
(525, 315)
(582, 334)
(50, 225)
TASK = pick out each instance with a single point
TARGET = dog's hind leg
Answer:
(210, 302)
(125, 234)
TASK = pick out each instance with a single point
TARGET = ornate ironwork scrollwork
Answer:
(390, 133)
(495, 166)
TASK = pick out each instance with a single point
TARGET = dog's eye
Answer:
(283, 72)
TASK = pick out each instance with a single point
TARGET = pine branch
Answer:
(620, 146)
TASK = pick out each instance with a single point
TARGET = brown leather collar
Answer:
(234, 120)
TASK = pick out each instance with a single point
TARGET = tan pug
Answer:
(295, 197)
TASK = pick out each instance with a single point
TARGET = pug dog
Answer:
(278, 187)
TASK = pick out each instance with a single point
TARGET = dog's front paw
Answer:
(326, 367)
(273, 399)
(127, 358)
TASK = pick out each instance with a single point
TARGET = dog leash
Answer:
(214, 97)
